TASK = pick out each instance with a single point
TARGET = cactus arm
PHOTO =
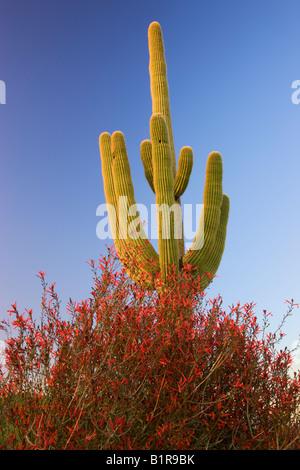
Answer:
(141, 250)
(212, 199)
(214, 260)
(124, 187)
(164, 190)
(106, 160)
(108, 183)
(185, 165)
(146, 157)
(109, 191)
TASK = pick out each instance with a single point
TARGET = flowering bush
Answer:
(133, 369)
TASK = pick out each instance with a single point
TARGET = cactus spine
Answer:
(168, 184)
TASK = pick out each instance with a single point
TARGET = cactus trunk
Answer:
(161, 103)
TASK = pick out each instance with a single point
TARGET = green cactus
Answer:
(168, 184)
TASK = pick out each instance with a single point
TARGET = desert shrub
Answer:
(134, 369)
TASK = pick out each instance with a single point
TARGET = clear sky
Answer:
(76, 68)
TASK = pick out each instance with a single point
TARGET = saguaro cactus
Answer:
(168, 183)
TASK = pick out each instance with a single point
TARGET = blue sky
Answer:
(74, 69)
